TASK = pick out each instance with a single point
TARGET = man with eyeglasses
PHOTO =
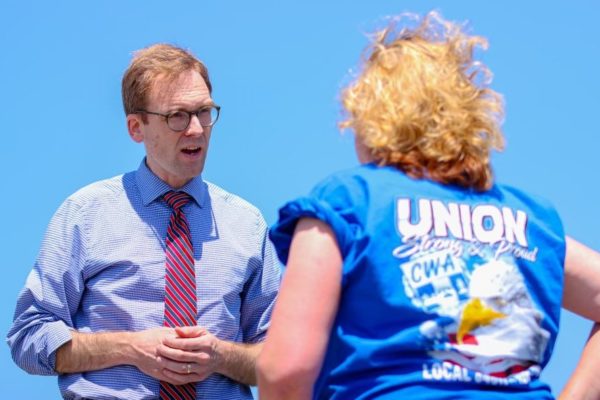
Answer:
(155, 283)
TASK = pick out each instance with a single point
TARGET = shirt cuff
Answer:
(57, 335)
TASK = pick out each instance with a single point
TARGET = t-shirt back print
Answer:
(459, 263)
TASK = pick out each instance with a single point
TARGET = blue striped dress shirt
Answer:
(101, 268)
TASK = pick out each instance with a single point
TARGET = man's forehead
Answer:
(165, 87)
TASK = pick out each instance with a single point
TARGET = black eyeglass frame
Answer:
(169, 115)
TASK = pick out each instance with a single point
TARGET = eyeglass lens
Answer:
(179, 120)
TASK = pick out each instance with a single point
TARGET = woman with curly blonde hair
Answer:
(417, 105)
(415, 275)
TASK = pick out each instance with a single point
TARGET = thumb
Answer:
(189, 331)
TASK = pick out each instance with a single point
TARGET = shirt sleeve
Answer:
(335, 201)
(260, 290)
(43, 316)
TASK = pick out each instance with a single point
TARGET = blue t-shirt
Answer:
(446, 292)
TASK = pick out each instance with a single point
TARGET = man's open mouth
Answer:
(191, 150)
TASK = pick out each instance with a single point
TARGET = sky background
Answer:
(277, 68)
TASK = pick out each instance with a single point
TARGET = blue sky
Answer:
(276, 68)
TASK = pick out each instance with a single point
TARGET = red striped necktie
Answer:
(180, 284)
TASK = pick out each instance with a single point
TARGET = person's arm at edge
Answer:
(304, 313)
(583, 383)
(582, 296)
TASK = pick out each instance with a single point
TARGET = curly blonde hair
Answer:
(421, 104)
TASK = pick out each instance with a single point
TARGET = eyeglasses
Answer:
(179, 120)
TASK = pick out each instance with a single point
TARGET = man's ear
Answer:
(134, 125)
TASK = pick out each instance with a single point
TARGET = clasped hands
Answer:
(177, 355)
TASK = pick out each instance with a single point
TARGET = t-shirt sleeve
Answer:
(336, 201)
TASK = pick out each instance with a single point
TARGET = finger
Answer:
(180, 379)
(189, 344)
(166, 352)
(183, 356)
(189, 331)
(182, 368)
(158, 373)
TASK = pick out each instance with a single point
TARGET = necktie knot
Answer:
(176, 200)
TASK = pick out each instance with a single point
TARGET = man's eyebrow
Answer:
(210, 103)
(180, 107)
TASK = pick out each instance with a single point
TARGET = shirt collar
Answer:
(152, 187)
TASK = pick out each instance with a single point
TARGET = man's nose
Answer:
(195, 128)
